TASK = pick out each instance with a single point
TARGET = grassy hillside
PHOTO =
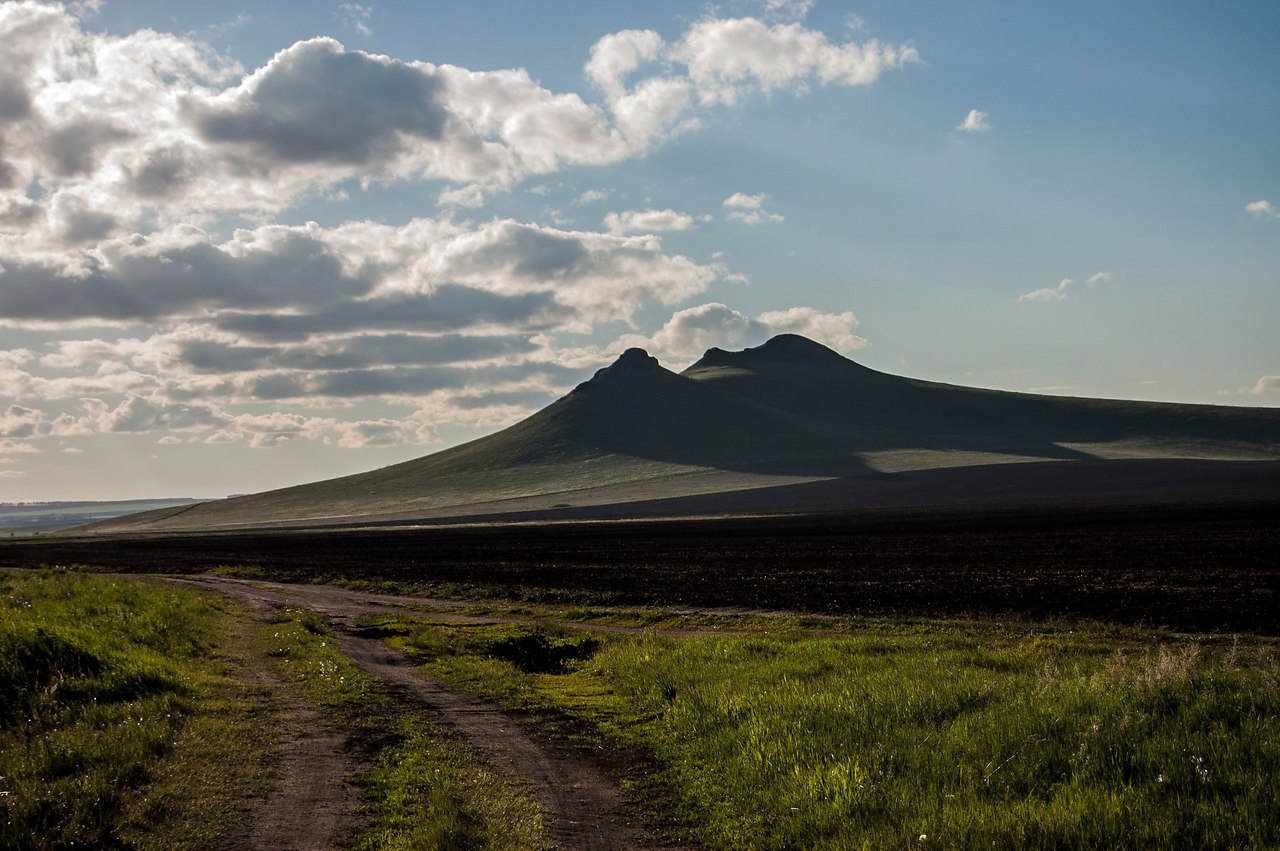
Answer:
(788, 411)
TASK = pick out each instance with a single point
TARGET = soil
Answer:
(1194, 566)
(583, 804)
(313, 806)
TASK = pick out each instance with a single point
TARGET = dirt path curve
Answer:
(583, 805)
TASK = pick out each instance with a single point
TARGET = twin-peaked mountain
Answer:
(785, 412)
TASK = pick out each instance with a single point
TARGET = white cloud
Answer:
(787, 10)
(296, 315)
(527, 271)
(1265, 386)
(749, 209)
(127, 159)
(1058, 293)
(13, 447)
(1263, 209)
(618, 55)
(834, 330)
(975, 122)
(591, 196)
(471, 195)
(690, 332)
(727, 59)
(743, 201)
(357, 17)
(122, 132)
(17, 421)
(755, 217)
(647, 221)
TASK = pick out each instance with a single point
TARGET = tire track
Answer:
(582, 804)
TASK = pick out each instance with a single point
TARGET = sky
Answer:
(248, 248)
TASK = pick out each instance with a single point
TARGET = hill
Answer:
(785, 413)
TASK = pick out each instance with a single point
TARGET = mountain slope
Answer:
(865, 411)
(788, 411)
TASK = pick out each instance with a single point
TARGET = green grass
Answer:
(972, 736)
(125, 723)
(121, 725)
(428, 789)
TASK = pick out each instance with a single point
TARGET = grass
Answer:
(121, 724)
(125, 723)
(924, 734)
(427, 789)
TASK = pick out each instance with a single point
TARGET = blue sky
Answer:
(241, 249)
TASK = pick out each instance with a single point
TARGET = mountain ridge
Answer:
(786, 412)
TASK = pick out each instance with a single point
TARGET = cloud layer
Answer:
(142, 176)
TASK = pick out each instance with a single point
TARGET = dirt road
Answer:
(582, 804)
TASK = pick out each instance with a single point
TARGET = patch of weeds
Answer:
(535, 653)
(240, 571)
(436, 794)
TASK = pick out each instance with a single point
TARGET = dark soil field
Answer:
(1189, 566)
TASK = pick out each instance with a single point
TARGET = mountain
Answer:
(787, 412)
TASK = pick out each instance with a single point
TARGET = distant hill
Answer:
(35, 518)
(785, 413)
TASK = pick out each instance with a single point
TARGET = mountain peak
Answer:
(633, 363)
(795, 347)
(782, 349)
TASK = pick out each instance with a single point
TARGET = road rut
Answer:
(582, 804)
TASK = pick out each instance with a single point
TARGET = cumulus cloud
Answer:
(651, 86)
(17, 421)
(127, 159)
(298, 314)
(749, 209)
(14, 447)
(975, 122)
(834, 330)
(647, 221)
(307, 270)
(726, 59)
(122, 130)
(1267, 385)
(618, 55)
(1262, 209)
(690, 332)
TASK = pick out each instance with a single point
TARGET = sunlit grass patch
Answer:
(972, 736)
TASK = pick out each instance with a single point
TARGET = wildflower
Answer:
(924, 837)
(1160, 778)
